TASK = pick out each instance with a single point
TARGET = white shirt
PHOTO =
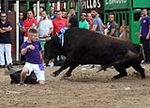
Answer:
(44, 27)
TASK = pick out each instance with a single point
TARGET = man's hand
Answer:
(46, 35)
(31, 47)
(7, 28)
(138, 34)
(2, 31)
(147, 37)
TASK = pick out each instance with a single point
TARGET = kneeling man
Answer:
(32, 51)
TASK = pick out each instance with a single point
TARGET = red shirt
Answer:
(28, 23)
(58, 24)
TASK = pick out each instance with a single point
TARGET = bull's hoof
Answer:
(54, 74)
(67, 75)
(143, 77)
(119, 76)
(11, 82)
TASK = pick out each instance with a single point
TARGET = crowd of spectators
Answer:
(51, 24)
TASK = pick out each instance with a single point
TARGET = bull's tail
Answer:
(139, 49)
(132, 55)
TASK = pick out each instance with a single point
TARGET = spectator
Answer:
(32, 51)
(123, 30)
(45, 28)
(21, 20)
(38, 17)
(97, 24)
(59, 23)
(89, 20)
(52, 13)
(73, 20)
(20, 24)
(83, 23)
(64, 13)
(112, 26)
(5, 40)
(145, 35)
(30, 22)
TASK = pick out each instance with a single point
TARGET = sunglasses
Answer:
(83, 15)
(3, 16)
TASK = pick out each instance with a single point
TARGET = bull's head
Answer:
(52, 49)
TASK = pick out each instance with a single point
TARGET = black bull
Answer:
(82, 46)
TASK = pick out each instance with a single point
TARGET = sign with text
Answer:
(117, 4)
(90, 4)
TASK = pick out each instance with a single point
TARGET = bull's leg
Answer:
(64, 66)
(69, 62)
(104, 67)
(72, 67)
(121, 70)
(141, 70)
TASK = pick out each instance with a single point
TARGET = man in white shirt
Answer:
(45, 28)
